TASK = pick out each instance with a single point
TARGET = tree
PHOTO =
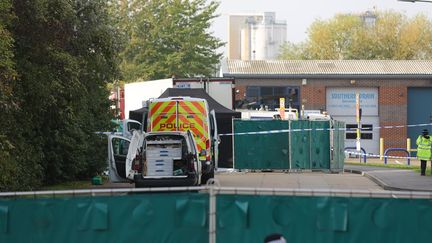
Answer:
(292, 51)
(415, 39)
(332, 39)
(7, 65)
(392, 36)
(169, 38)
(66, 52)
(8, 166)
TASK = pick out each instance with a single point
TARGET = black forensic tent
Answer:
(139, 115)
(224, 118)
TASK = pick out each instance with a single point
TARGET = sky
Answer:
(300, 14)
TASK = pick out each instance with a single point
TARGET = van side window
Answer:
(120, 147)
(134, 126)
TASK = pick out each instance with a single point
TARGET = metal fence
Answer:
(215, 214)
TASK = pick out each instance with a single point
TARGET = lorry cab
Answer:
(126, 127)
(188, 114)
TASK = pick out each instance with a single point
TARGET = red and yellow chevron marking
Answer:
(162, 113)
(197, 116)
(192, 116)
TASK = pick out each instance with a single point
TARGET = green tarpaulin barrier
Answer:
(300, 145)
(314, 145)
(337, 147)
(245, 218)
(161, 217)
(184, 217)
(250, 152)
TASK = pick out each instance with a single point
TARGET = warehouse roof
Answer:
(325, 68)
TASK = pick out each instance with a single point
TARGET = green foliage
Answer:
(393, 36)
(57, 59)
(7, 69)
(9, 167)
(168, 38)
(65, 53)
(292, 51)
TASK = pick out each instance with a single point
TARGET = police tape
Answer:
(377, 155)
(297, 130)
(321, 129)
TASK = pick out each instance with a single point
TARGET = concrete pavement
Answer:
(393, 179)
(356, 177)
(293, 180)
(379, 178)
(297, 180)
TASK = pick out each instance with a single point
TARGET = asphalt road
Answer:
(297, 180)
(302, 180)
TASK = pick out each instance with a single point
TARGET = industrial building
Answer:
(392, 93)
(255, 36)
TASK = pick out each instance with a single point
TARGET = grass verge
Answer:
(415, 168)
(72, 185)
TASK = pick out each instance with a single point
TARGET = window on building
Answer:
(365, 132)
(267, 97)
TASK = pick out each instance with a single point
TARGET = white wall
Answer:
(221, 91)
(136, 93)
(341, 105)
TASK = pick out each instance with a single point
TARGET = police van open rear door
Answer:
(129, 126)
(215, 139)
(118, 147)
(135, 148)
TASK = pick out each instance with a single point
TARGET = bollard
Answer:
(409, 145)
(409, 149)
(381, 148)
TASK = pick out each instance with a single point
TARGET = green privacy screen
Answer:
(261, 151)
(174, 217)
(300, 144)
(337, 145)
(183, 217)
(245, 218)
(316, 145)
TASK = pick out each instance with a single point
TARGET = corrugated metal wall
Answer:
(419, 111)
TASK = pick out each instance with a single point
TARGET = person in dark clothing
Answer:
(424, 146)
(275, 238)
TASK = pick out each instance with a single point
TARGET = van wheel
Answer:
(206, 177)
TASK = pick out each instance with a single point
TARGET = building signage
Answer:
(342, 101)
(183, 85)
